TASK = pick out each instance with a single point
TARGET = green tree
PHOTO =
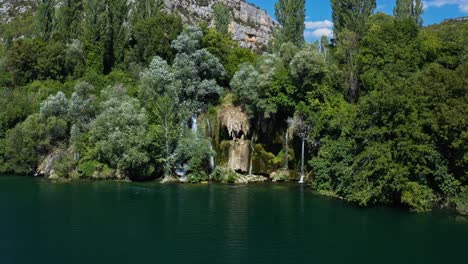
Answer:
(116, 32)
(227, 51)
(189, 40)
(194, 150)
(81, 113)
(196, 71)
(222, 17)
(409, 9)
(153, 36)
(68, 19)
(351, 15)
(390, 52)
(93, 27)
(156, 80)
(165, 131)
(291, 16)
(45, 18)
(119, 133)
(55, 105)
(31, 59)
(144, 9)
(349, 20)
(30, 140)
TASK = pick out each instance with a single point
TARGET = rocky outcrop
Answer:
(236, 123)
(11, 8)
(45, 169)
(239, 153)
(235, 120)
(458, 19)
(243, 179)
(252, 27)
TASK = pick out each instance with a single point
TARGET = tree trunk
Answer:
(353, 91)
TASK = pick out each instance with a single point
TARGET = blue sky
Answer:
(318, 19)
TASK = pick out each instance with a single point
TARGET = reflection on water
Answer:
(113, 222)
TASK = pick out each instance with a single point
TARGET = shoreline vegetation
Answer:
(377, 114)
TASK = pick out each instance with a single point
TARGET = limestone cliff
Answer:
(252, 27)
(11, 8)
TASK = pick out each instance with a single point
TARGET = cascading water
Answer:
(286, 150)
(194, 123)
(302, 179)
(302, 162)
(212, 161)
(181, 171)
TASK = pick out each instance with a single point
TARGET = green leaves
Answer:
(222, 17)
(165, 26)
(418, 197)
(409, 9)
(119, 132)
(291, 16)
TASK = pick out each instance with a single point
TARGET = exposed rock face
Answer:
(235, 120)
(239, 153)
(11, 8)
(252, 27)
(244, 179)
(458, 19)
(45, 169)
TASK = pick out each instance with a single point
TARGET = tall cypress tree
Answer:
(69, 18)
(222, 17)
(143, 9)
(291, 16)
(116, 32)
(409, 9)
(349, 19)
(351, 14)
(92, 28)
(45, 17)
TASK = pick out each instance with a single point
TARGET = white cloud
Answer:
(317, 29)
(319, 32)
(318, 24)
(462, 4)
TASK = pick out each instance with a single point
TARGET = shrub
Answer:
(461, 202)
(87, 168)
(418, 197)
(197, 177)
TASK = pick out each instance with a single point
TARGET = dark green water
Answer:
(110, 222)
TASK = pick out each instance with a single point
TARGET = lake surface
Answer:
(112, 222)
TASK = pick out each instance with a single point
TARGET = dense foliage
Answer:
(114, 89)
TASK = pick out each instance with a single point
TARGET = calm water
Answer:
(110, 222)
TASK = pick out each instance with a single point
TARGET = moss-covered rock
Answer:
(264, 162)
(280, 176)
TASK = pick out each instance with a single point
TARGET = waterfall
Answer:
(286, 150)
(181, 171)
(302, 179)
(302, 162)
(194, 123)
(212, 161)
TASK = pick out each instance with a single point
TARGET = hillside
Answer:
(251, 26)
